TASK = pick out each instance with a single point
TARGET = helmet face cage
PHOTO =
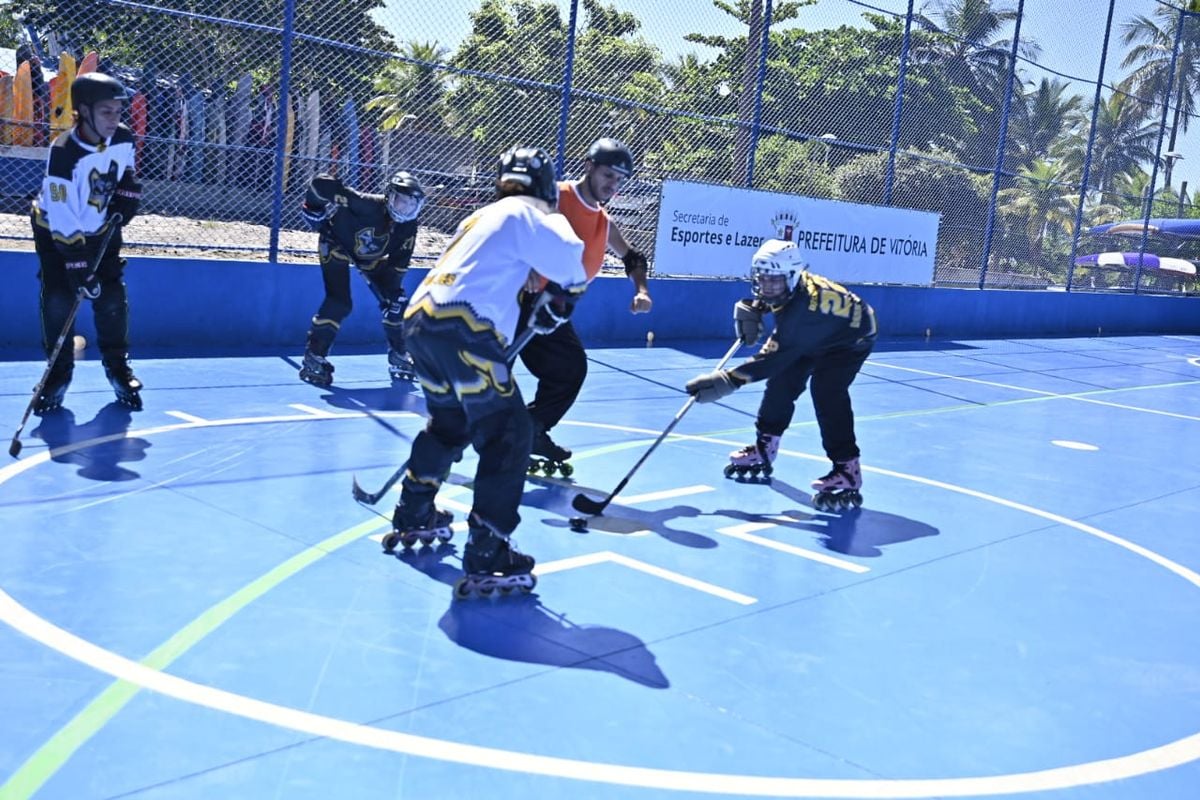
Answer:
(611, 153)
(775, 272)
(405, 197)
(532, 168)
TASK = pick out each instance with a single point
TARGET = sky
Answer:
(1070, 34)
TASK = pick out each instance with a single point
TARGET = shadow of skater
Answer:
(555, 496)
(859, 532)
(98, 447)
(520, 628)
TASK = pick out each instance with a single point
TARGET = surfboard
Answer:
(218, 134)
(1150, 261)
(350, 153)
(194, 112)
(289, 140)
(60, 94)
(22, 107)
(139, 117)
(6, 101)
(312, 133)
(89, 63)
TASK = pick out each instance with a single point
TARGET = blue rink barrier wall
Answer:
(233, 305)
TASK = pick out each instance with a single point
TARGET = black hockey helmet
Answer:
(92, 87)
(405, 196)
(612, 153)
(532, 168)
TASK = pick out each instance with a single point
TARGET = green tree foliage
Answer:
(1153, 40)
(926, 182)
(216, 53)
(413, 90)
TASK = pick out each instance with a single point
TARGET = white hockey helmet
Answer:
(775, 272)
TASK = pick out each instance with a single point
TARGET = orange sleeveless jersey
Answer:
(590, 224)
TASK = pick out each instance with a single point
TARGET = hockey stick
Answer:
(510, 355)
(14, 449)
(594, 508)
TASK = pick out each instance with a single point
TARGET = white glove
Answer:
(710, 387)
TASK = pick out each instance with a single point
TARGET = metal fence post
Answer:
(568, 77)
(1148, 209)
(285, 71)
(889, 179)
(758, 93)
(1087, 154)
(1001, 146)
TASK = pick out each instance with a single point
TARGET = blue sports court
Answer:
(194, 606)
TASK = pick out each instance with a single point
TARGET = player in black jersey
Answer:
(823, 335)
(90, 179)
(375, 233)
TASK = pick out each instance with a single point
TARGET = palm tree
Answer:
(969, 44)
(1044, 200)
(1154, 44)
(1042, 122)
(413, 88)
(1125, 138)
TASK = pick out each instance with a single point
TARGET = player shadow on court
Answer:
(102, 460)
(616, 519)
(375, 398)
(520, 628)
(859, 532)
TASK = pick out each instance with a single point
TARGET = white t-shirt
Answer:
(485, 265)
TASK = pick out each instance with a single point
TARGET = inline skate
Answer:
(316, 370)
(755, 459)
(435, 527)
(547, 457)
(400, 367)
(53, 393)
(838, 490)
(126, 385)
(491, 565)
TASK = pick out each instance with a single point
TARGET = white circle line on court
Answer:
(1172, 754)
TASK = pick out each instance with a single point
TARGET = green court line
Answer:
(50, 757)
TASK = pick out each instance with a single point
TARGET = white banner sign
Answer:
(715, 230)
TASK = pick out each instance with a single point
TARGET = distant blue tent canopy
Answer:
(1183, 228)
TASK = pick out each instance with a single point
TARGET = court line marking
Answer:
(607, 556)
(186, 417)
(1082, 397)
(683, 491)
(743, 532)
(322, 412)
(1172, 754)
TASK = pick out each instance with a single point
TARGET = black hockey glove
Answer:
(126, 200)
(634, 260)
(711, 387)
(319, 201)
(747, 321)
(80, 275)
(553, 313)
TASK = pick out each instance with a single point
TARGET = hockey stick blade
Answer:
(14, 449)
(586, 505)
(361, 495)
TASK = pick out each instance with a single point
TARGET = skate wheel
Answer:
(548, 469)
(754, 471)
(535, 467)
(567, 470)
(462, 589)
(767, 470)
(445, 536)
(409, 540)
(426, 537)
(390, 540)
(729, 470)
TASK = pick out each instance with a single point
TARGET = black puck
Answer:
(578, 524)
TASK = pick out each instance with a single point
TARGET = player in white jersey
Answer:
(89, 179)
(459, 322)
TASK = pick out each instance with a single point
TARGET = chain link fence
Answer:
(1028, 139)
